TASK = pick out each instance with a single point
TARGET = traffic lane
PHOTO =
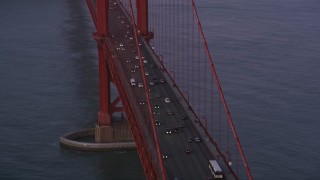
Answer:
(193, 131)
(204, 148)
(170, 141)
(172, 107)
(181, 137)
(175, 123)
(174, 156)
(190, 131)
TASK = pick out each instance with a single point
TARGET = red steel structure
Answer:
(174, 31)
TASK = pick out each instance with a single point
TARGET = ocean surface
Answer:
(267, 54)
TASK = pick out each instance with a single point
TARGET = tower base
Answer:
(116, 132)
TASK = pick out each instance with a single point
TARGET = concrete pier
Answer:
(117, 136)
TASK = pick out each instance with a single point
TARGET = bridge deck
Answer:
(179, 164)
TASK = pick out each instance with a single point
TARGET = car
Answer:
(167, 100)
(145, 61)
(121, 45)
(136, 66)
(137, 58)
(197, 140)
(164, 156)
(142, 102)
(146, 73)
(156, 106)
(188, 150)
(181, 125)
(176, 130)
(162, 80)
(183, 117)
(158, 95)
(152, 66)
(170, 112)
(151, 83)
(157, 122)
(133, 70)
(190, 139)
(140, 85)
(168, 131)
(128, 61)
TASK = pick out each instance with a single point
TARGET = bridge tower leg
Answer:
(104, 129)
(142, 18)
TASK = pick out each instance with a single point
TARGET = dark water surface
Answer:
(266, 53)
(48, 70)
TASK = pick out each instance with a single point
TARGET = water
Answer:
(48, 88)
(266, 54)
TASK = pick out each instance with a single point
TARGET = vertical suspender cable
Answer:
(188, 48)
(223, 98)
(211, 108)
(193, 64)
(177, 41)
(170, 32)
(182, 46)
(199, 70)
(205, 86)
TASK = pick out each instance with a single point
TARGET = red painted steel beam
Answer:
(117, 109)
(142, 16)
(92, 12)
(116, 101)
(104, 117)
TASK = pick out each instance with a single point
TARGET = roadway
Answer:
(178, 164)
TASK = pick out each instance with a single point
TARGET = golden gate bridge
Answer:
(156, 55)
